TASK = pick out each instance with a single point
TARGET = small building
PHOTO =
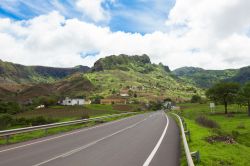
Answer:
(86, 102)
(40, 106)
(124, 93)
(114, 101)
(69, 101)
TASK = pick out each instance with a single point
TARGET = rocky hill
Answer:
(123, 62)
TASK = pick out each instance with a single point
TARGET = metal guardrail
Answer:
(7, 133)
(187, 151)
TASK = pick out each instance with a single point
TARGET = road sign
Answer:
(212, 107)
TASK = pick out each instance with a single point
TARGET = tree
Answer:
(10, 107)
(195, 99)
(47, 101)
(5, 121)
(96, 99)
(224, 92)
(245, 95)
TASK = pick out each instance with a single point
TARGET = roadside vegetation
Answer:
(220, 134)
(42, 133)
(56, 113)
(221, 139)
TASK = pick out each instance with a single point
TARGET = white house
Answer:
(40, 106)
(69, 101)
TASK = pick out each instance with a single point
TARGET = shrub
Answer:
(5, 121)
(241, 126)
(155, 106)
(21, 121)
(40, 120)
(195, 99)
(204, 121)
(235, 134)
(9, 107)
(96, 99)
(85, 115)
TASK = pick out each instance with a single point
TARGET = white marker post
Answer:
(212, 107)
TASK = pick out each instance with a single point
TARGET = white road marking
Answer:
(152, 154)
(88, 145)
(72, 133)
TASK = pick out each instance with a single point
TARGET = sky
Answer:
(210, 34)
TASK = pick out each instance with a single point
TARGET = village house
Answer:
(114, 100)
(76, 101)
(124, 93)
(40, 106)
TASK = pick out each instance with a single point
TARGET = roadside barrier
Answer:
(184, 132)
(8, 133)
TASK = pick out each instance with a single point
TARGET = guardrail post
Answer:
(46, 131)
(185, 125)
(188, 134)
(7, 138)
(196, 155)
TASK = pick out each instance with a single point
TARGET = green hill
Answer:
(16, 73)
(144, 80)
(75, 85)
(151, 81)
(204, 78)
(242, 76)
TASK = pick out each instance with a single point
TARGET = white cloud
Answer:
(93, 9)
(204, 33)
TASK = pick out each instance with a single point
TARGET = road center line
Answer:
(88, 145)
(152, 154)
(71, 133)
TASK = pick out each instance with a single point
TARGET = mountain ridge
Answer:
(206, 78)
(17, 73)
(109, 76)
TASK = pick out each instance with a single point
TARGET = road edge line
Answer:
(152, 154)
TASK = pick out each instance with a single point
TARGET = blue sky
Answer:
(177, 33)
(142, 16)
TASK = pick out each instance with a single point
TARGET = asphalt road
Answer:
(149, 139)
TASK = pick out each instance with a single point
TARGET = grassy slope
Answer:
(157, 83)
(218, 154)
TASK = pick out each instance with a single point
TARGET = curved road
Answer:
(147, 139)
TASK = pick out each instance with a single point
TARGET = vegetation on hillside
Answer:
(204, 78)
(16, 73)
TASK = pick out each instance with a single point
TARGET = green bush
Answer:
(196, 99)
(204, 121)
(235, 134)
(96, 99)
(85, 115)
(21, 122)
(9, 107)
(40, 120)
(5, 121)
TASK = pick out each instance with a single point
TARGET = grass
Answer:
(42, 133)
(218, 153)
